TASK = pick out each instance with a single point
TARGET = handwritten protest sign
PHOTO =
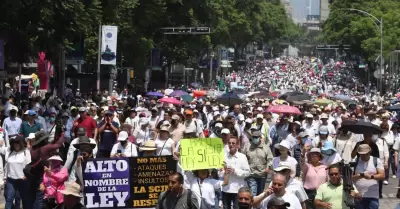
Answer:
(203, 153)
(106, 183)
(149, 178)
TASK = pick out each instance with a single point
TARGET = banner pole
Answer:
(99, 60)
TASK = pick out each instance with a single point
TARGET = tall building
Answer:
(324, 8)
(299, 10)
(313, 7)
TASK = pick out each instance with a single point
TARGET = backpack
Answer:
(375, 159)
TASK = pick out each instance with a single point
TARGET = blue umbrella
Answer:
(178, 93)
(229, 99)
(154, 94)
(342, 97)
(394, 107)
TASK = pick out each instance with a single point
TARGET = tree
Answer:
(359, 31)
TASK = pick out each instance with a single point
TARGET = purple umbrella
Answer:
(178, 93)
(154, 94)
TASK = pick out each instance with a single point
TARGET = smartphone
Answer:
(119, 151)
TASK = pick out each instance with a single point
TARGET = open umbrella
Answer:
(187, 98)
(170, 101)
(239, 91)
(229, 99)
(342, 97)
(324, 102)
(285, 109)
(154, 94)
(394, 107)
(177, 93)
(199, 93)
(262, 95)
(295, 96)
(361, 127)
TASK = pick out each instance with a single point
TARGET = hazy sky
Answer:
(300, 8)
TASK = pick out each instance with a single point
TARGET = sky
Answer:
(300, 8)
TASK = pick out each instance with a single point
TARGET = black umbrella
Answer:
(239, 91)
(262, 95)
(394, 107)
(229, 99)
(295, 96)
(361, 127)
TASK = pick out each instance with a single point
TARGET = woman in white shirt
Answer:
(17, 157)
(201, 184)
(142, 131)
(124, 148)
(284, 148)
(165, 145)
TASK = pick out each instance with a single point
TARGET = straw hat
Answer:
(55, 157)
(149, 145)
(84, 140)
(72, 188)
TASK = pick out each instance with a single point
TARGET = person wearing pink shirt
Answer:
(314, 174)
(54, 178)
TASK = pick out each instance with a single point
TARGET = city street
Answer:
(389, 200)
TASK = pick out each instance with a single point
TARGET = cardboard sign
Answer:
(202, 153)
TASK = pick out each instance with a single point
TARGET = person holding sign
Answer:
(124, 148)
(204, 187)
(238, 169)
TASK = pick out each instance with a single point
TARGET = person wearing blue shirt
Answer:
(108, 130)
(30, 126)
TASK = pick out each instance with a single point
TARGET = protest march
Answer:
(267, 137)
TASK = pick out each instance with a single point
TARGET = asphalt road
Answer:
(389, 200)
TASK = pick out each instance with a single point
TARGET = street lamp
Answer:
(211, 66)
(375, 20)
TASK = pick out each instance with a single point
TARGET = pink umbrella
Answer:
(170, 101)
(284, 109)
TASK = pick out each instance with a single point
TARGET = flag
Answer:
(109, 45)
(316, 70)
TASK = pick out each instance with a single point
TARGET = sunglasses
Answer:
(334, 174)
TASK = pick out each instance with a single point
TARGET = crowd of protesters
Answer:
(272, 159)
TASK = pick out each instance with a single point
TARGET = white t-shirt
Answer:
(287, 197)
(333, 159)
(162, 149)
(368, 187)
(293, 163)
(129, 151)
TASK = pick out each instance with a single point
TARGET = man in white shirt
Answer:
(132, 119)
(123, 148)
(278, 189)
(324, 122)
(238, 168)
(368, 171)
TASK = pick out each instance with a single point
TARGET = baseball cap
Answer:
(110, 112)
(303, 134)
(82, 109)
(225, 131)
(241, 117)
(14, 108)
(363, 149)
(218, 125)
(248, 120)
(175, 117)
(31, 112)
(123, 136)
(259, 109)
(309, 115)
(259, 116)
(188, 112)
(323, 130)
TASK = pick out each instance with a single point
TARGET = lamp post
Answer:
(375, 20)
(211, 66)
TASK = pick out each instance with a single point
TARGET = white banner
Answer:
(109, 45)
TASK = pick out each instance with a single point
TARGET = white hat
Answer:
(284, 143)
(208, 103)
(282, 166)
(241, 117)
(324, 116)
(226, 107)
(31, 136)
(225, 131)
(259, 116)
(216, 113)
(260, 109)
(309, 115)
(14, 108)
(218, 125)
(215, 108)
(248, 120)
(7, 85)
(26, 112)
(55, 157)
(123, 136)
